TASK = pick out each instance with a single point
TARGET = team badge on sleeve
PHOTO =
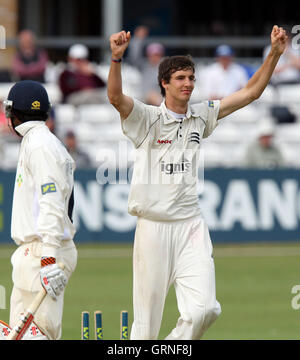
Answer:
(211, 104)
(48, 188)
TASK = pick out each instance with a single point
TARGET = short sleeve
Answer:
(137, 125)
(213, 107)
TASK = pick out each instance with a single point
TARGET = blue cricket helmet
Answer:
(29, 97)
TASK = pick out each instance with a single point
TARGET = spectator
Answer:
(81, 159)
(287, 70)
(263, 153)
(137, 46)
(148, 65)
(30, 62)
(79, 83)
(224, 76)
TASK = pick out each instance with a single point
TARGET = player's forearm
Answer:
(124, 104)
(257, 84)
(114, 83)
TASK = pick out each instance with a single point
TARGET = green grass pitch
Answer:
(254, 287)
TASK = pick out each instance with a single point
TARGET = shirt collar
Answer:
(23, 128)
(168, 118)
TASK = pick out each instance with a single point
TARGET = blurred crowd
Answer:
(81, 82)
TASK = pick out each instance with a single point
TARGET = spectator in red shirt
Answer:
(30, 62)
(79, 83)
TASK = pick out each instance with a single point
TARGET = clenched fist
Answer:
(278, 39)
(119, 43)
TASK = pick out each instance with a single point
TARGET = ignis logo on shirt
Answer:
(164, 141)
(179, 168)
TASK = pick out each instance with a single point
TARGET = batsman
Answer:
(172, 243)
(41, 224)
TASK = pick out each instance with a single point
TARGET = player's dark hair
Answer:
(24, 116)
(171, 64)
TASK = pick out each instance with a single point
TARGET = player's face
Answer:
(181, 85)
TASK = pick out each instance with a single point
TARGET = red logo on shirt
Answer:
(164, 141)
(33, 331)
(6, 331)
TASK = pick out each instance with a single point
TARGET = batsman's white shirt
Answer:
(41, 225)
(43, 188)
(165, 175)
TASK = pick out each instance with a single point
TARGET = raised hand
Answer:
(279, 39)
(119, 43)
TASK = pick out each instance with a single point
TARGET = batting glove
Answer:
(53, 279)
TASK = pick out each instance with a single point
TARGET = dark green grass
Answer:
(254, 290)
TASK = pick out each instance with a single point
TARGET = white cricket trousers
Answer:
(179, 253)
(26, 261)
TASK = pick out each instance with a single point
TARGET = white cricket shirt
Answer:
(43, 189)
(165, 175)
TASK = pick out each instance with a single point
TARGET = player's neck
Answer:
(177, 106)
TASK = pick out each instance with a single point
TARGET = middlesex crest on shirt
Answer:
(194, 136)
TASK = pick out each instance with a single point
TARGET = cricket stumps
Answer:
(98, 325)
